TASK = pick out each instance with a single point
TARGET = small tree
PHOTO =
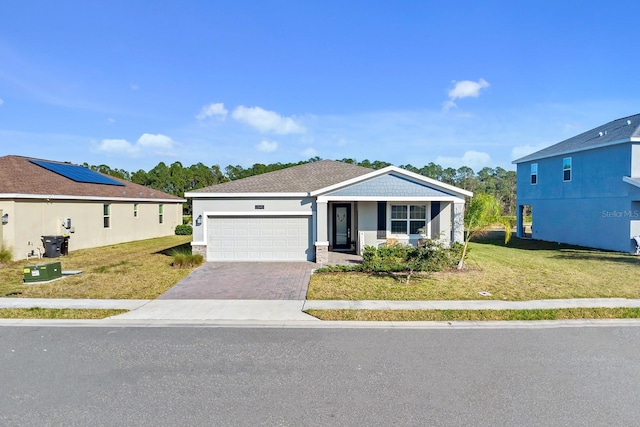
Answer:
(484, 212)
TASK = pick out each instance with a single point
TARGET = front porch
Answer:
(346, 227)
(343, 258)
(390, 205)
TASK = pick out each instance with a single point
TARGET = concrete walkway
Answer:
(288, 310)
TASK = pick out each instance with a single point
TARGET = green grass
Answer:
(135, 270)
(521, 270)
(476, 315)
(56, 313)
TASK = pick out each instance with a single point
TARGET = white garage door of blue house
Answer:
(259, 239)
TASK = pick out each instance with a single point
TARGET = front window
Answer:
(135, 210)
(106, 215)
(534, 173)
(160, 213)
(566, 169)
(408, 219)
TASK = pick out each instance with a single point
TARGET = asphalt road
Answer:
(318, 377)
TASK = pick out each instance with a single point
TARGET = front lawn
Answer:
(135, 270)
(521, 270)
(476, 315)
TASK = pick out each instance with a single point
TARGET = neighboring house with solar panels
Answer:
(584, 190)
(48, 198)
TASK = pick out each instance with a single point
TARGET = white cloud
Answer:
(117, 146)
(476, 160)
(155, 141)
(267, 146)
(162, 144)
(111, 120)
(267, 121)
(1, 101)
(212, 110)
(464, 89)
(134, 87)
(310, 152)
(524, 150)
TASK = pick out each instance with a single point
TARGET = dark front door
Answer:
(342, 226)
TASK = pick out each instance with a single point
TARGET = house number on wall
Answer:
(259, 206)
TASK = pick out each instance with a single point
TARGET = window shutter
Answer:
(382, 220)
(435, 210)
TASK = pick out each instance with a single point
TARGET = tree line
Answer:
(177, 179)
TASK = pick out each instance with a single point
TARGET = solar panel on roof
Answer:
(76, 173)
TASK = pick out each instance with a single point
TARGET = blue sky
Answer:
(133, 83)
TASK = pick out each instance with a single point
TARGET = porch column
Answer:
(322, 233)
(519, 227)
(458, 223)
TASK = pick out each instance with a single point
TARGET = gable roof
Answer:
(397, 173)
(626, 129)
(21, 178)
(388, 185)
(303, 178)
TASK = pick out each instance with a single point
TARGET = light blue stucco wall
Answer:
(389, 186)
(594, 209)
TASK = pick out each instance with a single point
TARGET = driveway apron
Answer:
(245, 280)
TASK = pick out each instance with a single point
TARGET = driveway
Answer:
(245, 280)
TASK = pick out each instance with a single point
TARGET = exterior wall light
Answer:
(199, 221)
(5, 218)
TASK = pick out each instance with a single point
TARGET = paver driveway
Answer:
(245, 280)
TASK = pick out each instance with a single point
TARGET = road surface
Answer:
(318, 377)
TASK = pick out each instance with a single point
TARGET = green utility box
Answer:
(42, 272)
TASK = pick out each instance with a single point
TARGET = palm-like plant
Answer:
(484, 213)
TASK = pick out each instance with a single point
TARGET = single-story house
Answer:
(584, 190)
(303, 212)
(48, 198)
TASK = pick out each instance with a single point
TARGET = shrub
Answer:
(185, 259)
(5, 255)
(184, 230)
(430, 257)
(339, 268)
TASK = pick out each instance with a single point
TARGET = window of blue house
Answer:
(566, 169)
(534, 173)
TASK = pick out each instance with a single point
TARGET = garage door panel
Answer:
(259, 239)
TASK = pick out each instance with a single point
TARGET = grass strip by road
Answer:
(519, 271)
(134, 270)
(56, 313)
(476, 315)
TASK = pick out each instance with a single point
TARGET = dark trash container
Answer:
(52, 246)
(64, 247)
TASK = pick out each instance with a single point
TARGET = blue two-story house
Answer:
(584, 190)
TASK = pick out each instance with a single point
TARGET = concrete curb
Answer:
(291, 324)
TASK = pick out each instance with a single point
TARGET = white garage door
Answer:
(259, 239)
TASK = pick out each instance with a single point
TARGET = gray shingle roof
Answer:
(19, 176)
(615, 132)
(297, 179)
